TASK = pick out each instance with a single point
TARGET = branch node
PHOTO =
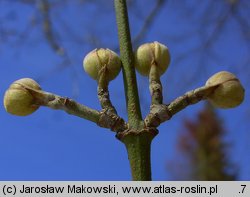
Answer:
(148, 130)
(157, 115)
(110, 120)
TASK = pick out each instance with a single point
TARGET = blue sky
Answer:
(52, 145)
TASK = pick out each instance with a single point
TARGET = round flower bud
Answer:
(18, 100)
(96, 59)
(229, 93)
(152, 52)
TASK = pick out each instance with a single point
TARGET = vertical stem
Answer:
(138, 148)
(138, 145)
(127, 57)
(136, 139)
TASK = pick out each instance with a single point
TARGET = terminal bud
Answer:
(229, 93)
(152, 53)
(18, 100)
(98, 59)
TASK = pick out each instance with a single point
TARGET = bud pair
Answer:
(146, 55)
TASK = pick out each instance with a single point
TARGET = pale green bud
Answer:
(18, 100)
(229, 93)
(97, 59)
(149, 53)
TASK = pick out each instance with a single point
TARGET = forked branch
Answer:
(160, 113)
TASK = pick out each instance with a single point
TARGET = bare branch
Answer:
(103, 92)
(53, 101)
(155, 86)
(68, 105)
